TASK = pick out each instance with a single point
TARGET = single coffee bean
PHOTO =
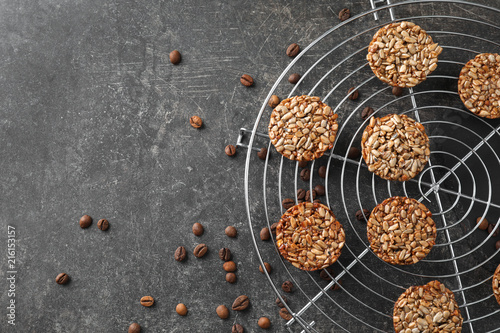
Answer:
(397, 91)
(322, 171)
(490, 230)
(62, 278)
(292, 50)
(288, 203)
(366, 112)
(134, 328)
(200, 250)
(305, 174)
(268, 268)
(181, 309)
(320, 190)
(229, 266)
(344, 14)
(222, 312)
(279, 303)
(497, 245)
(294, 78)
(285, 314)
(353, 94)
(287, 286)
(308, 195)
(326, 274)
(483, 225)
(225, 254)
(230, 150)
(317, 201)
(273, 228)
(262, 154)
(198, 229)
(231, 277)
(363, 215)
(237, 328)
(241, 303)
(231, 231)
(302, 164)
(264, 322)
(175, 57)
(274, 101)
(301, 194)
(265, 234)
(147, 301)
(180, 253)
(196, 121)
(85, 221)
(246, 80)
(354, 153)
(337, 285)
(103, 224)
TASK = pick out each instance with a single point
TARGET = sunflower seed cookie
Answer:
(309, 236)
(479, 85)
(429, 308)
(401, 231)
(496, 284)
(302, 128)
(402, 54)
(395, 147)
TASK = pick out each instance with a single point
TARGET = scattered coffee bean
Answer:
(288, 203)
(147, 301)
(397, 91)
(287, 286)
(268, 268)
(198, 229)
(366, 112)
(231, 231)
(180, 253)
(237, 328)
(302, 164)
(294, 78)
(229, 266)
(222, 312)
(246, 80)
(196, 121)
(305, 174)
(292, 50)
(62, 278)
(274, 101)
(265, 234)
(200, 250)
(483, 224)
(322, 171)
(181, 309)
(279, 303)
(175, 57)
(273, 228)
(262, 154)
(264, 322)
(326, 274)
(320, 190)
(497, 245)
(103, 224)
(231, 277)
(353, 94)
(317, 201)
(363, 215)
(230, 150)
(225, 254)
(490, 230)
(134, 328)
(354, 153)
(308, 195)
(337, 285)
(85, 221)
(241, 303)
(301, 194)
(285, 314)
(344, 14)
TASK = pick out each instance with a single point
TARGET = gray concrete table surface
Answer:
(95, 120)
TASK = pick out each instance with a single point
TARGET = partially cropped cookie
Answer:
(395, 147)
(429, 308)
(302, 128)
(309, 236)
(479, 85)
(401, 231)
(402, 54)
(496, 284)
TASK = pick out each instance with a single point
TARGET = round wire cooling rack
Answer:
(459, 183)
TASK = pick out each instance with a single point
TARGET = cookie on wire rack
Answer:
(401, 231)
(429, 308)
(402, 54)
(309, 236)
(302, 128)
(496, 284)
(479, 85)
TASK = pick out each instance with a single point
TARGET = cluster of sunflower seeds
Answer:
(496, 284)
(302, 128)
(402, 54)
(309, 236)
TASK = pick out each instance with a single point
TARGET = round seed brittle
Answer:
(309, 236)
(429, 308)
(402, 54)
(302, 128)
(395, 147)
(479, 85)
(401, 231)
(496, 284)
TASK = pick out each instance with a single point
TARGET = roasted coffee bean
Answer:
(320, 190)
(103, 224)
(196, 121)
(229, 266)
(181, 309)
(230, 150)
(301, 194)
(279, 303)
(265, 234)
(497, 245)
(305, 174)
(366, 112)
(353, 94)
(241, 303)
(237, 328)
(308, 195)
(302, 164)
(264, 322)
(292, 50)
(231, 231)
(198, 229)
(268, 268)
(490, 230)
(354, 153)
(180, 253)
(200, 250)
(134, 328)
(175, 57)
(273, 228)
(337, 285)
(397, 91)
(317, 201)
(363, 215)
(294, 78)
(62, 278)
(285, 314)
(274, 101)
(288, 203)
(225, 254)
(287, 286)
(85, 221)
(147, 301)
(222, 312)
(262, 154)
(246, 80)
(322, 171)
(324, 274)
(231, 277)
(344, 14)
(483, 224)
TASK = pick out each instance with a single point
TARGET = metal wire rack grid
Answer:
(459, 175)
